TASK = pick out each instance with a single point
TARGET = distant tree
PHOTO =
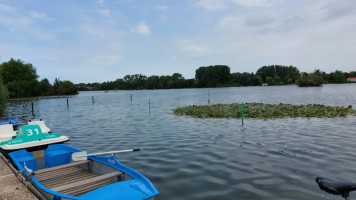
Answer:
(19, 77)
(177, 81)
(45, 88)
(3, 97)
(339, 77)
(190, 83)
(135, 81)
(17, 70)
(66, 88)
(153, 82)
(309, 80)
(278, 80)
(213, 76)
(269, 80)
(56, 84)
(287, 74)
(164, 81)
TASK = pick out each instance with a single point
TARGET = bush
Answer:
(3, 97)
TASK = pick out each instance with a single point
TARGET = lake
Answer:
(212, 159)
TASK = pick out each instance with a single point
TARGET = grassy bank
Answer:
(265, 111)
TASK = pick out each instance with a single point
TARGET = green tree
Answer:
(17, 70)
(339, 77)
(3, 97)
(285, 72)
(45, 88)
(310, 80)
(269, 80)
(213, 76)
(66, 88)
(19, 77)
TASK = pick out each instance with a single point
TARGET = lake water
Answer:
(212, 159)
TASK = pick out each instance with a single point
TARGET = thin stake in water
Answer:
(242, 113)
(32, 109)
(209, 96)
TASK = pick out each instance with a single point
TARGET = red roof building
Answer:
(352, 79)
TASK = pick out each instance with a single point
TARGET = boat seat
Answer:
(72, 164)
(42, 125)
(87, 181)
(30, 162)
(335, 187)
(6, 132)
(57, 158)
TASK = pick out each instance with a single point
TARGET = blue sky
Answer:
(102, 40)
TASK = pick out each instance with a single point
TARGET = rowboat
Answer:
(28, 137)
(58, 174)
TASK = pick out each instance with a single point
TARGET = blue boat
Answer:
(10, 120)
(57, 175)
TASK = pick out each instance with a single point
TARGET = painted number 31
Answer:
(30, 132)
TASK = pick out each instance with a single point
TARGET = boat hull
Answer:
(56, 176)
(32, 147)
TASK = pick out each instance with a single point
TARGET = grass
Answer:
(265, 111)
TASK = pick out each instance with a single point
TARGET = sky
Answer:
(88, 41)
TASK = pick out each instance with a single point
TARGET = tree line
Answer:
(220, 76)
(19, 79)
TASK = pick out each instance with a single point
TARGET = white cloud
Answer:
(142, 28)
(104, 12)
(162, 7)
(93, 30)
(163, 18)
(7, 9)
(103, 59)
(38, 15)
(193, 49)
(101, 2)
(253, 3)
(211, 5)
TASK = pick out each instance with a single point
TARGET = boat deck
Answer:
(73, 180)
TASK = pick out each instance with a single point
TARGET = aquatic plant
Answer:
(264, 111)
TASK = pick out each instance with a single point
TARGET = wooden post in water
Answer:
(32, 109)
(92, 99)
(131, 97)
(208, 96)
(67, 103)
(242, 115)
(149, 106)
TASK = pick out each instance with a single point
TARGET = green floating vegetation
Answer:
(265, 111)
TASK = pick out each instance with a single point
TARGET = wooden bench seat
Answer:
(72, 164)
(87, 181)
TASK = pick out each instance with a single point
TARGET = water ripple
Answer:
(212, 159)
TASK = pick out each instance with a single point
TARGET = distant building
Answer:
(352, 79)
(264, 84)
(89, 88)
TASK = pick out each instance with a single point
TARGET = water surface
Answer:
(212, 159)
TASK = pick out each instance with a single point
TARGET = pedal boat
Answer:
(29, 137)
(10, 120)
(57, 176)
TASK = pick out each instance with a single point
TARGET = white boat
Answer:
(29, 137)
(42, 125)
